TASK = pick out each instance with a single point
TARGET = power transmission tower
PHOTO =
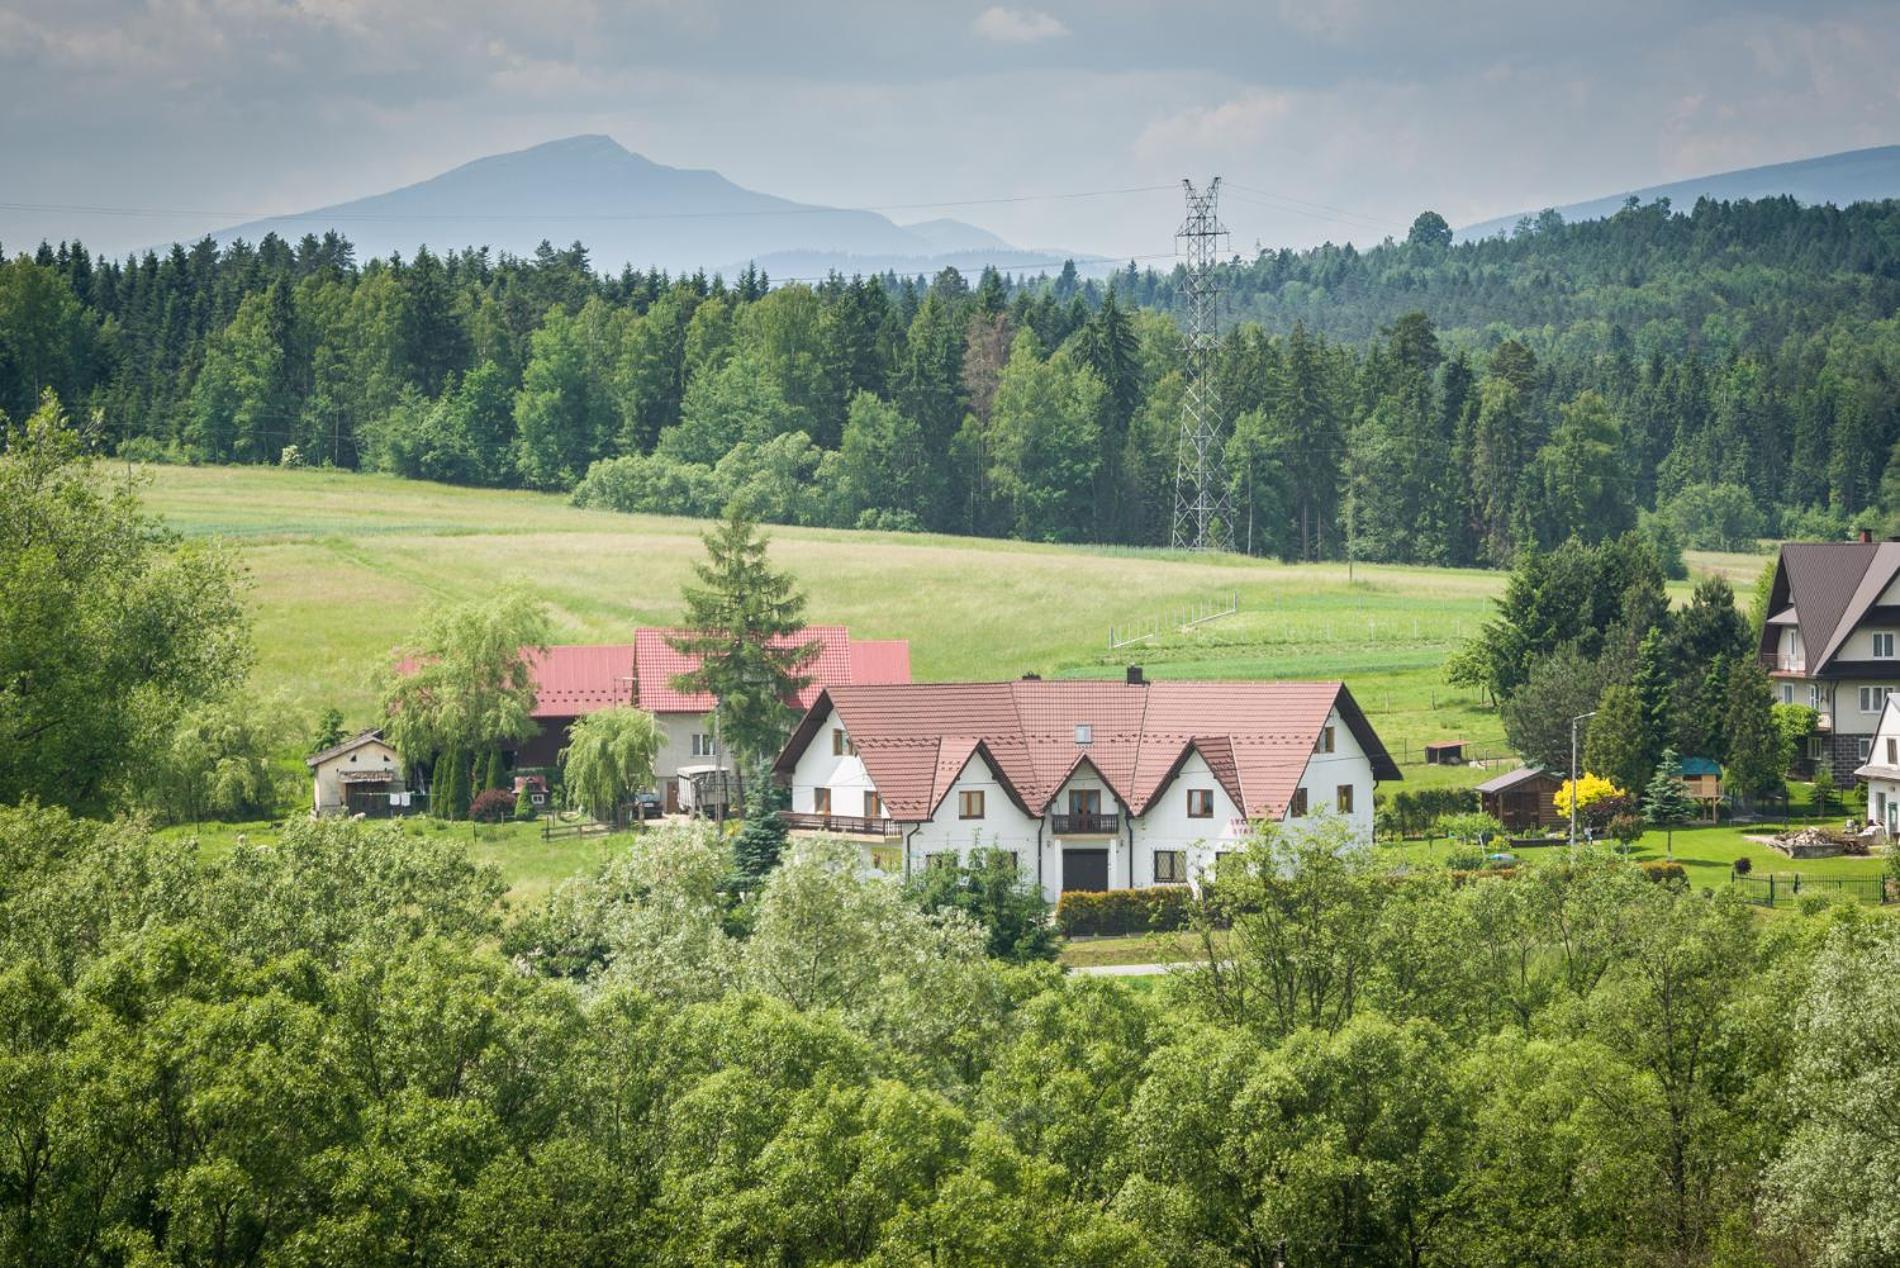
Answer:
(1203, 506)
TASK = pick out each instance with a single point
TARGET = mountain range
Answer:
(628, 209)
(1850, 177)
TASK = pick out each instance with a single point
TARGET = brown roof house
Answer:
(1830, 643)
(1091, 785)
(1523, 799)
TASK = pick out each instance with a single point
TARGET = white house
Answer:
(359, 776)
(573, 680)
(1832, 642)
(1091, 785)
(1881, 773)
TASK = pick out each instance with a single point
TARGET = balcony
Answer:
(841, 825)
(1783, 663)
(1085, 825)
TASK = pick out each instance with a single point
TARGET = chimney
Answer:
(1032, 676)
(1866, 535)
(1134, 677)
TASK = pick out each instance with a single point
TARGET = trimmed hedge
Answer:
(1662, 871)
(1082, 913)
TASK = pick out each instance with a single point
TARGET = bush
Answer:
(491, 805)
(1664, 872)
(524, 803)
(1743, 867)
(1414, 812)
(1082, 914)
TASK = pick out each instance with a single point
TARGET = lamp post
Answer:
(1581, 717)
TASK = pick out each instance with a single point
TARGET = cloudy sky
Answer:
(1329, 118)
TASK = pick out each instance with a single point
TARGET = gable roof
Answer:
(574, 679)
(1256, 737)
(371, 736)
(1823, 582)
(839, 661)
(1512, 778)
(1698, 766)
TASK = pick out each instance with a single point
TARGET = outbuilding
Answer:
(362, 775)
(1522, 799)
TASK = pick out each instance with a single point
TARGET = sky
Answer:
(1328, 119)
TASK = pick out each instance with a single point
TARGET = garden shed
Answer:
(1522, 799)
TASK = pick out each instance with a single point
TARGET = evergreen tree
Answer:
(741, 629)
(1666, 801)
(1618, 744)
(1757, 751)
(1654, 689)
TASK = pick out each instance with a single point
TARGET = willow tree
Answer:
(465, 686)
(609, 756)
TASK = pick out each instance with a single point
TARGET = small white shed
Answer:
(362, 775)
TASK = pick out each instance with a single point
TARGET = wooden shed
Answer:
(1522, 799)
(1445, 753)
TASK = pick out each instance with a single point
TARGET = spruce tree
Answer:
(1654, 685)
(742, 627)
(1666, 802)
(1757, 751)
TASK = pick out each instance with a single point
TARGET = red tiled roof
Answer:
(1255, 736)
(575, 679)
(840, 660)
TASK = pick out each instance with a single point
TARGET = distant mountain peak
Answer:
(627, 209)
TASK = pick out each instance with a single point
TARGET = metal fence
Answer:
(1784, 888)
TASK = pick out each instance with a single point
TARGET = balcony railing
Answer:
(1783, 663)
(1086, 825)
(851, 825)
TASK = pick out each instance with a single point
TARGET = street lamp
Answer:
(1581, 717)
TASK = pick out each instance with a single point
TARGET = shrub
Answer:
(524, 803)
(1412, 813)
(491, 805)
(1743, 866)
(1626, 828)
(1081, 913)
(1664, 872)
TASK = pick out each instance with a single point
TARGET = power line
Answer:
(1203, 505)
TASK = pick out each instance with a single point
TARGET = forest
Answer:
(1705, 377)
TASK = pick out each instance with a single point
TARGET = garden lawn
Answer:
(1136, 948)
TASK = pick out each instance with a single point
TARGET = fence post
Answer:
(1771, 889)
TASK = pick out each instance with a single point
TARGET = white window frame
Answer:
(1883, 645)
(704, 745)
(1865, 747)
(1787, 693)
(1874, 699)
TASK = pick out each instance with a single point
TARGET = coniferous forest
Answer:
(1708, 376)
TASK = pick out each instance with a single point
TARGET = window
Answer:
(1864, 747)
(1814, 695)
(1170, 867)
(970, 804)
(1085, 801)
(1200, 803)
(1325, 744)
(947, 858)
(1084, 733)
(821, 801)
(1344, 795)
(841, 745)
(1873, 699)
(1297, 809)
(1883, 646)
(1787, 693)
(1893, 751)
(1814, 747)
(704, 745)
(873, 806)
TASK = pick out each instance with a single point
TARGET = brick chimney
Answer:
(1135, 678)
(1866, 535)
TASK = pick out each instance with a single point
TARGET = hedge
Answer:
(1414, 813)
(1662, 871)
(1082, 913)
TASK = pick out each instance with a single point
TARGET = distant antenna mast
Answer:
(1203, 509)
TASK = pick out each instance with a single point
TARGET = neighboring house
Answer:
(572, 681)
(1829, 642)
(1881, 773)
(362, 775)
(1523, 799)
(1090, 785)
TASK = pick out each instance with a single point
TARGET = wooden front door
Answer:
(1084, 869)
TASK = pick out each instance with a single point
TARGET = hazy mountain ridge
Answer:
(1848, 177)
(628, 209)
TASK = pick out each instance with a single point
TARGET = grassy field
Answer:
(344, 567)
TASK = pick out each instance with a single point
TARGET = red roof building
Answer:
(1127, 765)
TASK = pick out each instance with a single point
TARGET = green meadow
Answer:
(344, 567)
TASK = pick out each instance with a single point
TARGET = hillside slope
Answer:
(1850, 177)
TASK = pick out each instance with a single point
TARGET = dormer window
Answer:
(1084, 733)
